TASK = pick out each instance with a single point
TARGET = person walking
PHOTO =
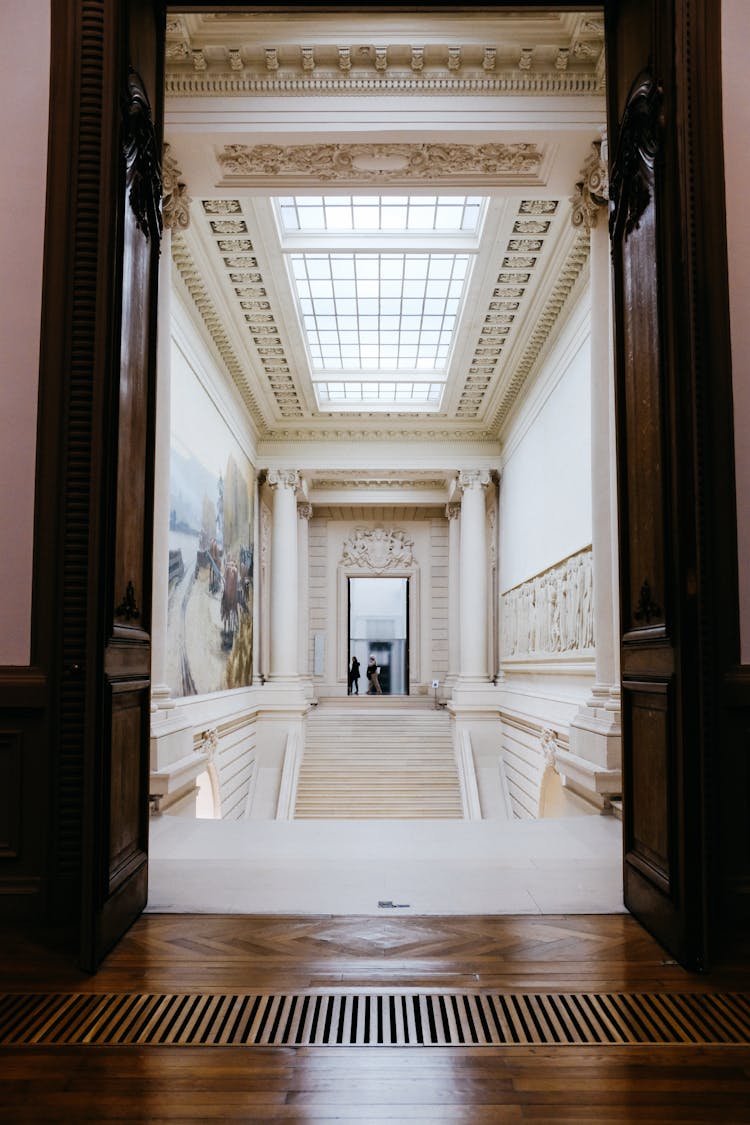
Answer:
(354, 677)
(372, 675)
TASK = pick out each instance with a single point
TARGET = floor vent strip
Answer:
(374, 1019)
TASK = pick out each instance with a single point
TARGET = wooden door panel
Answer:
(664, 811)
(128, 840)
(649, 804)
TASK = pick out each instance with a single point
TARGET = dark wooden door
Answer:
(116, 804)
(665, 552)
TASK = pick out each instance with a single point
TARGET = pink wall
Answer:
(735, 16)
(24, 98)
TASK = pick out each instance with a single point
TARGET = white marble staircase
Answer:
(374, 758)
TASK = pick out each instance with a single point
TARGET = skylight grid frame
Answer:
(380, 214)
(379, 310)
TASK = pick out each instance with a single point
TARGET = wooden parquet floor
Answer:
(610, 1084)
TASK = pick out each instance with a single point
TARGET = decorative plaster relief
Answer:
(378, 549)
(366, 163)
(175, 205)
(591, 196)
(552, 612)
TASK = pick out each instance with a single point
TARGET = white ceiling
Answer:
(506, 106)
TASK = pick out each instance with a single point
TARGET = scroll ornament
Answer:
(142, 166)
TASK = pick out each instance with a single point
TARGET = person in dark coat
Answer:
(354, 677)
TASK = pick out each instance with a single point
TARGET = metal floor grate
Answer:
(373, 1019)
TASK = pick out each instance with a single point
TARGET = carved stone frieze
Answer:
(591, 194)
(175, 206)
(378, 549)
(552, 612)
(366, 163)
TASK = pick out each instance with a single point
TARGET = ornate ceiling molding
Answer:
(227, 83)
(251, 165)
(569, 274)
(249, 290)
(378, 484)
(326, 432)
(193, 282)
(508, 299)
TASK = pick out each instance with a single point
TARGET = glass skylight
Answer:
(379, 312)
(379, 282)
(392, 214)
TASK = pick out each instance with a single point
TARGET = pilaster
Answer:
(595, 731)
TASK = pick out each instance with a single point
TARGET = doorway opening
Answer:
(379, 628)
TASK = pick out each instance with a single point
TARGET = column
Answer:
(284, 575)
(595, 731)
(453, 512)
(473, 576)
(175, 213)
(304, 514)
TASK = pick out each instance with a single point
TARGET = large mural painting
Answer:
(211, 487)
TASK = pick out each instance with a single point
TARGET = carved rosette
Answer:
(378, 549)
(283, 478)
(304, 511)
(142, 166)
(591, 195)
(175, 207)
(638, 144)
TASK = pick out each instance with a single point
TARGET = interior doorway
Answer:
(379, 628)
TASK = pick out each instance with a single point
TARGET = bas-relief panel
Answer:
(552, 613)
(210, 616)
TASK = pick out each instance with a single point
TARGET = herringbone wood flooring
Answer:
(463, 1084)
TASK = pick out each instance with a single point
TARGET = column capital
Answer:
(175, 204)
(591, 196)
(283, 478)
(304, 510)
(473, 478)
(453, 510)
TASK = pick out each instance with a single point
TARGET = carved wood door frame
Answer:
(102, 655)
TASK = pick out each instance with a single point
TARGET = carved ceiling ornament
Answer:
(378, 549)
(591, 194)
(175, 207)
(367, 163)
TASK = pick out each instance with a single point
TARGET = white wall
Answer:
(545, 485)
(735, 15)
(24, 108)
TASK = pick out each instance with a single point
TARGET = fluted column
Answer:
(304, 515)
(175, 214)
(284, 575)
(473, 576)
(453, 512)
